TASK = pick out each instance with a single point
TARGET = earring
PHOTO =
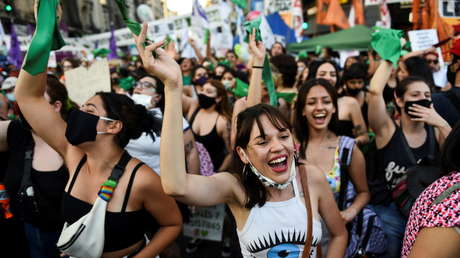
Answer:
(245, 173)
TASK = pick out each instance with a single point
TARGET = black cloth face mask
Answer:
(353, 92)
(423, 102)
(82, 127)
(205, 101)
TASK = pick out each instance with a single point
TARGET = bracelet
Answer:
(257, 67)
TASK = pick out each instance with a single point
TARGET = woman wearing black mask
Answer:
(91, 144)
(209, 117)
(418, 125)
(48, 176)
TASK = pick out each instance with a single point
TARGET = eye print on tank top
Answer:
(280, 244)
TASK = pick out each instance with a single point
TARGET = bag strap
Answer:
(370, 225)
(344, 178)
(446, 193)
(306, 194)
(26, 180)
(108, 187)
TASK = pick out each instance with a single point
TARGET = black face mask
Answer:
(81, 127)
(201, 81)
(205, 101)
(422, 102)
(353, 92)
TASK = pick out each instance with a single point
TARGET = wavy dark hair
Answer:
(417, 66)
(135, 118)
(223, 108)
(314, 66)
(287, 66)
(58, 92)
(254, 189)
(300, 121)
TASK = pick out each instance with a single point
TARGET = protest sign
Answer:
(82, 83)
(206, 223)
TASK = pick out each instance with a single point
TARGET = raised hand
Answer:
(427, 115)
(163, 66)
(256, 49)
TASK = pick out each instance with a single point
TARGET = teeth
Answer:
(319, 116)
(277, 160)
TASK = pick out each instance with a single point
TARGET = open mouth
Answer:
(320, 118)
(279, 164)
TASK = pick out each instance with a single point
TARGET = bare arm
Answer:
(190, 189)
(359, 125)
(431, 117)
(191, 153)
(239, 106)
(357, 173)
(209, 55)
(156, 202)
(436, 242)
(329, 213)
(379, 120)
(198, 53)
(4, 135)
(223, 129)
(257, 50)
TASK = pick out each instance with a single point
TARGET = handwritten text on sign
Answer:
(206, 223)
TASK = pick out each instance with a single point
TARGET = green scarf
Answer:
(387, 43)
(127, 83)
(267, 77)
(46, 38)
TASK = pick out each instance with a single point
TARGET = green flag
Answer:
(240, 3)
(288, 96)
(46, 38)
(249, 27)
(387, 43)
(241, 89)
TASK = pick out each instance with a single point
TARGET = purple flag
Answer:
(113, 45)
(15, 54)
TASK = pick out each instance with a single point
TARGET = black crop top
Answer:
(122, 229)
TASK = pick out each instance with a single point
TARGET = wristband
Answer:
(257, 67)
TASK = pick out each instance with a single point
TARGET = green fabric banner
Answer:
(46, 38)
(249, 27)
(387, 43)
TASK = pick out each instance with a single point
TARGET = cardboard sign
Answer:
(82, 83)
(423, 39)
(206, 223)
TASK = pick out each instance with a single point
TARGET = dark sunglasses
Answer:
(435, 61)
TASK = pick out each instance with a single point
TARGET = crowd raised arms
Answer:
(320, 160)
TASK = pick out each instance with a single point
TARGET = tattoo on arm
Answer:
(359, 130)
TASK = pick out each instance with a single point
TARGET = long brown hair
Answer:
(222, 107)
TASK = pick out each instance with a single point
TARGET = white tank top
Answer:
(278, 229)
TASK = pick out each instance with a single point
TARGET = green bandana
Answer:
(288, 96)
(249, 26)
(101, 52)
(134, 26)
(303, 54)
(241, 89)
(127, 83)
(225, 63)
(46, 38)
(387, 43)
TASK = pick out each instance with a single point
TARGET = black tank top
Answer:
(122, 229)
(48, 186)
(393, 160)
(345, 128)
(213, 143)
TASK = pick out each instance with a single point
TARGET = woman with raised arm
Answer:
(91, 143)
(264, 194)
(419, 125)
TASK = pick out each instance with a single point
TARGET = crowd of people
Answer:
(348, 161)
